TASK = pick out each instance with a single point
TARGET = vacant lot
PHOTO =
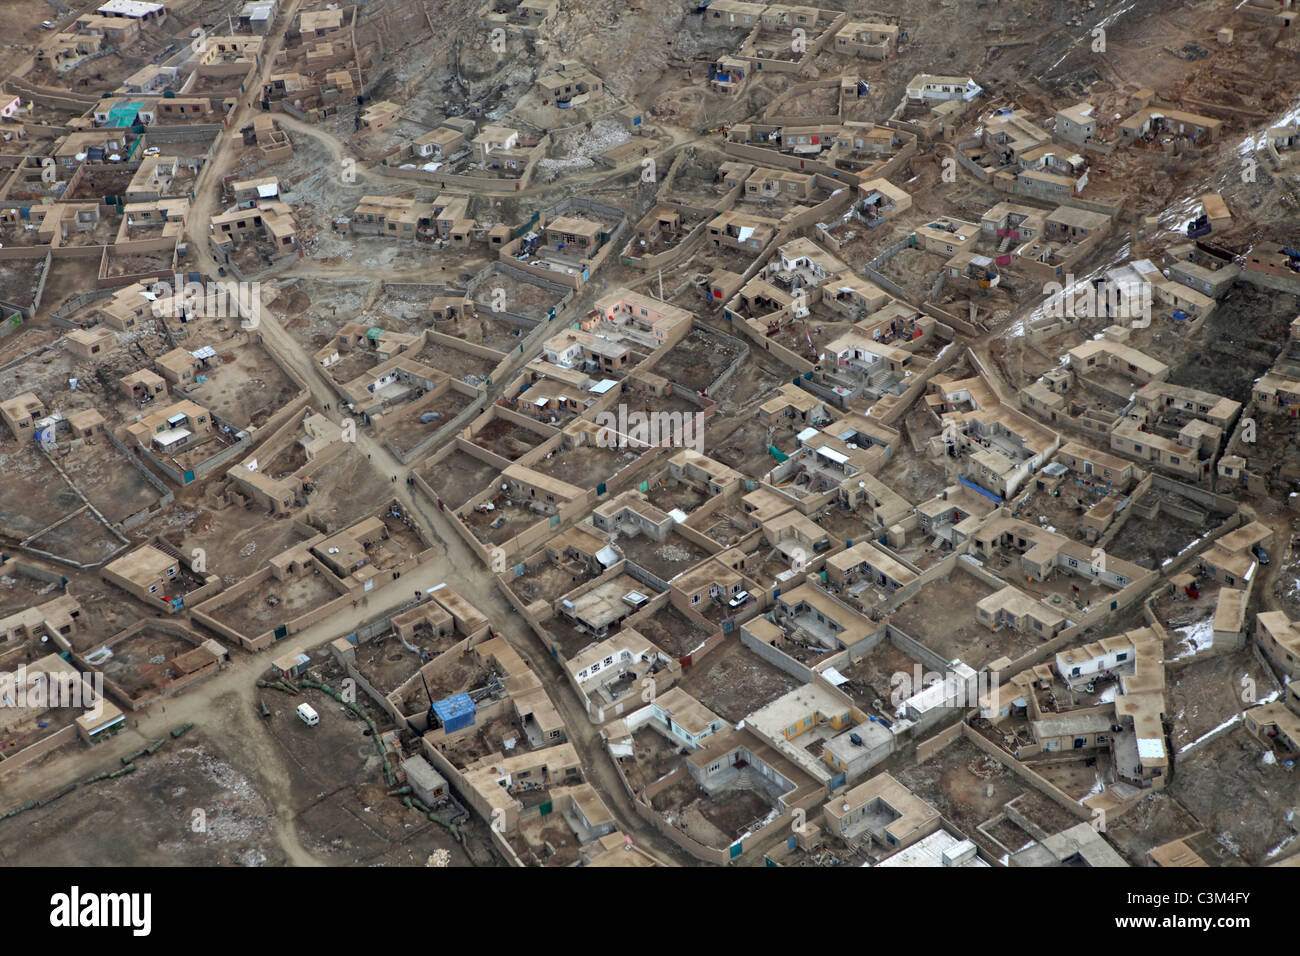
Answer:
(1242, 801)
(147, 818)
(1203, 694)
(458, 477)
(733, 681)
(697, 360)
(712, 820)
(964, 784)
(112, 483)
(942, 617)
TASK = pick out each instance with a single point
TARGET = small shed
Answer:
(425, 782)
(291, 665)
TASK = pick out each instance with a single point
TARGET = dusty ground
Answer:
(1149, 543)
(733, 681)
(114, 485)
(1157, 819)
(246, 388)
(586, 466)
(549, 582)
(1238, 343)
(957, 781)
(872, 676)
(1243, 802)
(275, 602)
(942, 617)
(458, 477)
(672, 632)
(138, 661)
(43, 497)
(655, 756)
(712, 820)
(403, 429)
(1027, 53)
(664, 559)
(505, 438)
(337, 786)
(1202, 695)
(149, 818)
(697, 360)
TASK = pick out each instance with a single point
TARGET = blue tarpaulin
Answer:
(984, 491)
(455, 712)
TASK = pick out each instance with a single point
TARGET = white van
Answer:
(308, 715)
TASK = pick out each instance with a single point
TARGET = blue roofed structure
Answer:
(455, 712)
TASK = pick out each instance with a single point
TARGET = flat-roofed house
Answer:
(172, 429)
(876, 41)
(1076, 124)
(148, 573)
(88, 343)
(574, 234)
(881, 809)
(1153, 121)
(927, 86)
(144, 386)
(439, 143)
(21, 413)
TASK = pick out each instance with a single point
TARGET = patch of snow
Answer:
(1205, 736)
(1099, 786)
(1254, 142)
(1019, 328)
(1196, 638)
(1281, 846)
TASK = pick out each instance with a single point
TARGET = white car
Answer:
(152, 151)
